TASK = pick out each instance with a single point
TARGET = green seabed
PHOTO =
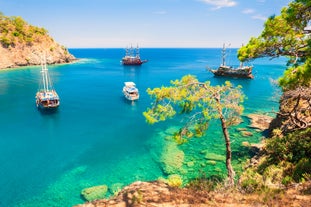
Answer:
(204, 156)
(103, 140)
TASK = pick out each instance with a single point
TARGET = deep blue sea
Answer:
(96, 137)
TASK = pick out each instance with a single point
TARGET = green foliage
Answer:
(6, 42)
(199, 102)
(287, 180)
(297, 76)
(284, 35)
(174, 180)
(204, 183)
(302, 168)
(251, 181)
(292, 148)
(273, 174)
(14, 30)
(287, 160)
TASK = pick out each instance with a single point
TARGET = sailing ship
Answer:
(132, 57)
(228, 71)
(130, 91)
(46, 97)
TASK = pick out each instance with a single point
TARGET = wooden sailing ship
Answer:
(46, 96)
(229, 71)
(132, 57)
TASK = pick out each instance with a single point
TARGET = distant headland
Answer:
(22, 44)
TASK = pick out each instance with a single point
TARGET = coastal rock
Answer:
(22, 44)
(260, 121)
(160, 194)
(294, 111)
(136, 193)
(23, 55)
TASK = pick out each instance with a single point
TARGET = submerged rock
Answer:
(260, 121)
(172, 158)
(214, 157)
(94, 193)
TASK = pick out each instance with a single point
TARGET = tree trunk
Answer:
(230, 170)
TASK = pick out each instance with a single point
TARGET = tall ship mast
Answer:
(132, 57)
(46, 96)
(228, 71)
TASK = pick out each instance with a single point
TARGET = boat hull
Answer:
(130, 97)
(234, 73)
(47, 100)
(45, 105)
(133, 61)
(130, 91)
(228, 71)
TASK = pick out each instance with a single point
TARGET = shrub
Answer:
(205, 184)
(174, 180)
(5, 42)
(292, 147)
(302, 168)
(287, 180)
(251, 181)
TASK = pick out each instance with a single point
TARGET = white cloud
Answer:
(260, 17)
(220, 3)
(248, 11)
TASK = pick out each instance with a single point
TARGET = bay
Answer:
(96, 137)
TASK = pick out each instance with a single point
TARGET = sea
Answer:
(97, 137)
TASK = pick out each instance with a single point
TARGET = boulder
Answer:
(260, 121)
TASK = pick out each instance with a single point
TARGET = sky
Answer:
(147, 23)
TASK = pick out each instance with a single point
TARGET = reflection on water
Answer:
(48, 112)
(131, 71)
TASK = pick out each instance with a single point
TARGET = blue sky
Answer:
(148, 23)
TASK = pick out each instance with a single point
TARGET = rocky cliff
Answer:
(22, 44)
(294, 111)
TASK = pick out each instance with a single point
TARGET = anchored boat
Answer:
(46, 97)
(228, 71)
(132, 57)
(130, 91)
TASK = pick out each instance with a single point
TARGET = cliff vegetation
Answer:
(22, 44)
(280, 172)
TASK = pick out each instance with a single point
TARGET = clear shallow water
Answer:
(96, 137)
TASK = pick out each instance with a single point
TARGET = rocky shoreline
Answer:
(159, 194)
(23, 55)
(22, 44)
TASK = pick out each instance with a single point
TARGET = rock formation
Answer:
(294, 111)
(22, 44)
(260, 121)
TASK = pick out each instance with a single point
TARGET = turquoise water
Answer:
(96, 137)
